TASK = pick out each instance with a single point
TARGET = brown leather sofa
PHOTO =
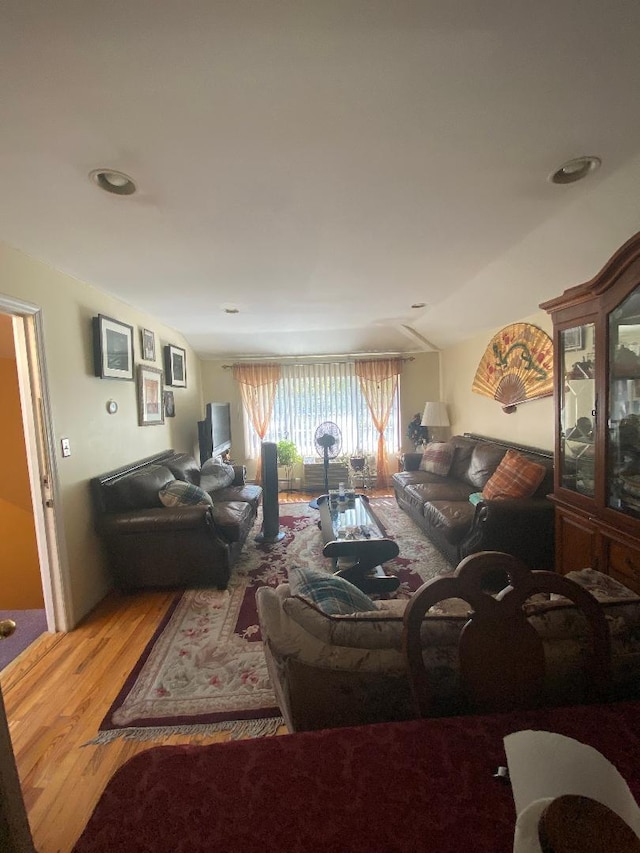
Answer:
(152, 545)
(441, 507)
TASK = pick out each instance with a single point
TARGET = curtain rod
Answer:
(302, 359)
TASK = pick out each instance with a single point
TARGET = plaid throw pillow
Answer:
(181, 493)
(437, 458)
(332, 594)
(515, 477)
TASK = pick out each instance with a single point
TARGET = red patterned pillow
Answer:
(437, 458)
(515, 477)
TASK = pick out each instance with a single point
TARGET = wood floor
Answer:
(56, 694)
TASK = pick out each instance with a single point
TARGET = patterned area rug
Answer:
(204, 669)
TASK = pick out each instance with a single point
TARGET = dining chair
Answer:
(501, 655)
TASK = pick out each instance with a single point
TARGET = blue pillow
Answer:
(476, 498)
(332, 594)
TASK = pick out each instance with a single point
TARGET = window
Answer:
(309, 394)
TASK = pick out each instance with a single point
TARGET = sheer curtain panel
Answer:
(379, 384)
(308, 394)
(258, 383)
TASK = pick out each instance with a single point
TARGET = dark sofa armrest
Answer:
(411, 461)
(240, 478)
(522, 526)
(497, 512)
(160, 520)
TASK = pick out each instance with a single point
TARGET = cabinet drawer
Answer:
(576, 543)
(624, 564)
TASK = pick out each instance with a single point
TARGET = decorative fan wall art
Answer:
(517, 366)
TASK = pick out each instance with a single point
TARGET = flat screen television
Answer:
(214, 432)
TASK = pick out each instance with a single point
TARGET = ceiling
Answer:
(319, 165)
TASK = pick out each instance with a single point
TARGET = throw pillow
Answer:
(515, 477)
(181, 493)
(330, 593)
(437, 458)
(219, 474)
(475, 498)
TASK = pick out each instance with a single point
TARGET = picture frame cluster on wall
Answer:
(150, 396)
(175, 366)
(148, 345)
(169, 405)
(113, 354)
(112, 348)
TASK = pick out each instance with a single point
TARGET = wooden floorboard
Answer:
(56, 694)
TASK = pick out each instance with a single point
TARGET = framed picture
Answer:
(169, 405)
(148, 345)
(572, 338)
(150, 399)
(175, 366)
(112, 348)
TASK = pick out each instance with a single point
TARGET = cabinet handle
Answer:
(631, 565)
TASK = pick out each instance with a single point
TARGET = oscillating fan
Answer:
(328, 441)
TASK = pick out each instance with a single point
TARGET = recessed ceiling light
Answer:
(112, 181)
(419, 305)
(575, 170)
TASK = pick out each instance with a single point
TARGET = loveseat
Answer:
(449, 501)
(349, 669)
(166, 522)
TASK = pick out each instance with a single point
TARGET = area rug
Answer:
(204, 670)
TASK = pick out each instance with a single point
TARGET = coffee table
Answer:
(356, 540)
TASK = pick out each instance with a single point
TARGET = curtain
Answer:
(307, 395)
(379, 382)
(258, 383)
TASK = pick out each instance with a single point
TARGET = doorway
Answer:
(35, 424)
(21, 594)
(31, 559)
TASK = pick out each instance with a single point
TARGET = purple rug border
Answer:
(31, 625)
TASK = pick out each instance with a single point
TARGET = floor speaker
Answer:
(270, 509)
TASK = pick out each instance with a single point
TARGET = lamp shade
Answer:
(435, 415)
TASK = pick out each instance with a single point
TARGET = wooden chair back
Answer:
(501, 655)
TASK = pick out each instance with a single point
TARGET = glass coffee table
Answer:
(356, 540)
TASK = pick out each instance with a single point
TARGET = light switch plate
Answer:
(66, 446)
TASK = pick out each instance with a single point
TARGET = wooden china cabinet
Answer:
(597, 412)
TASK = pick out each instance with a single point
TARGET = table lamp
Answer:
(434, 415)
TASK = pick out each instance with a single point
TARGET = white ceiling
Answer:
(321, 165)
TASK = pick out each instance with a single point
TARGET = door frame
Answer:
(15, 832)
(28, 333)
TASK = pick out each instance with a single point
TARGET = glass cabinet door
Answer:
(577, 409)
(623, 449)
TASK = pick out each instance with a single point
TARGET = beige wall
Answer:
(419, 383)
(531, 423)
(99, 441)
